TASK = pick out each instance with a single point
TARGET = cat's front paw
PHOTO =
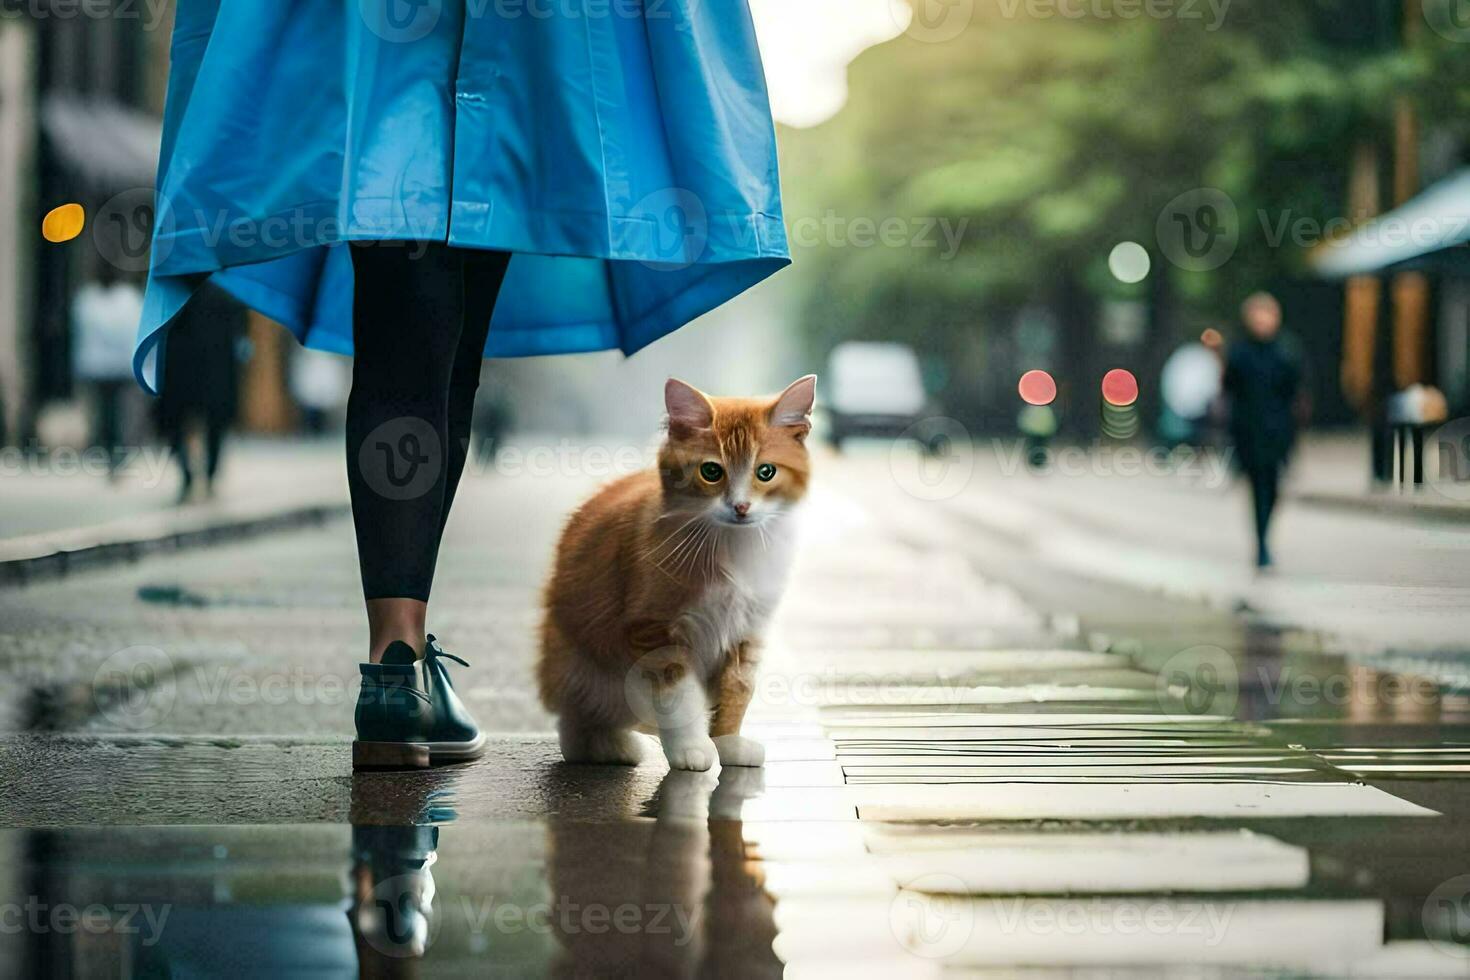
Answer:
(691, 755)
(737, 750)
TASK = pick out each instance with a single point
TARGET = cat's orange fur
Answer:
(664, 580)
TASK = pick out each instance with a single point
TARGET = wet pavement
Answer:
(982, 762)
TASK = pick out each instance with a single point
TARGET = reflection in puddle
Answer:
(679, 897)
(669, 888)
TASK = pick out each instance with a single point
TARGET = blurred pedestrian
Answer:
(319, 385)
(201, 382)
(104, 317)
(1263, 382)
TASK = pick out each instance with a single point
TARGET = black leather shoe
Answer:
(408, 716)
(455, 737)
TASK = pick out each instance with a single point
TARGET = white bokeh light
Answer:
(807, 45)
(1129, 262)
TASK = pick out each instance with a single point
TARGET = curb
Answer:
(50, 556)
(1387, 505)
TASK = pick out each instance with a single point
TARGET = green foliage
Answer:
(1056, 138)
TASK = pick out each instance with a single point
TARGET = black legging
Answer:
(421, 311)
(1265, 481)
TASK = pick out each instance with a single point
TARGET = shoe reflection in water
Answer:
(394, 846)
(392, 912)
(678, 897)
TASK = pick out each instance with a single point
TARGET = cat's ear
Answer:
(689, 410)
(794, 408)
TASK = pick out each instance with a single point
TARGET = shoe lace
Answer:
(435, 650)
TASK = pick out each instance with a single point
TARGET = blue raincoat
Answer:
(622, 149)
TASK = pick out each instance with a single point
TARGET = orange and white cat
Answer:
(665, 580)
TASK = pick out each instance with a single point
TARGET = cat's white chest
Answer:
(737, 604)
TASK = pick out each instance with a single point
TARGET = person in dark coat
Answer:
(201, 380)
(1263, 383)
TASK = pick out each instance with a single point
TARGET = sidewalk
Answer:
(954, 788)
(1372, 582)
(1332, 471)
(61, 512)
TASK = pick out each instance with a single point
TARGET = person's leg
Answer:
(408, 311)
(216, 426)
(484, 273)
(1264, 485)
(176, 429)
(109, 423)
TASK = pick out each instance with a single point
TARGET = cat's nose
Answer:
(741, 509)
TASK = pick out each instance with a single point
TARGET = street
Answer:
(1008, 729)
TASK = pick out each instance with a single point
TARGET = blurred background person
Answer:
(1263, 383)
(200, 382)
(319, 385)
(104, 318)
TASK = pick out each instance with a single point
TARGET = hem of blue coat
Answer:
(733, 274)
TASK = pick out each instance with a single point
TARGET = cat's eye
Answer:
(766, 472)
(711, 472)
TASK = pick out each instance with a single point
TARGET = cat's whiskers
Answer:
(672, 536)
(688, 544)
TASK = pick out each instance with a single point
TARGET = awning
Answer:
(1428, 232)
(109, 147)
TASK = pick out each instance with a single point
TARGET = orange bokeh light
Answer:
(1038, 388)
(64, 223)
(1119, 387)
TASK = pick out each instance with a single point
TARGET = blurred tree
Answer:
(1057, 137)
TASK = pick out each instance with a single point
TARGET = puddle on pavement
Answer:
(671, 888)
(683, 883)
